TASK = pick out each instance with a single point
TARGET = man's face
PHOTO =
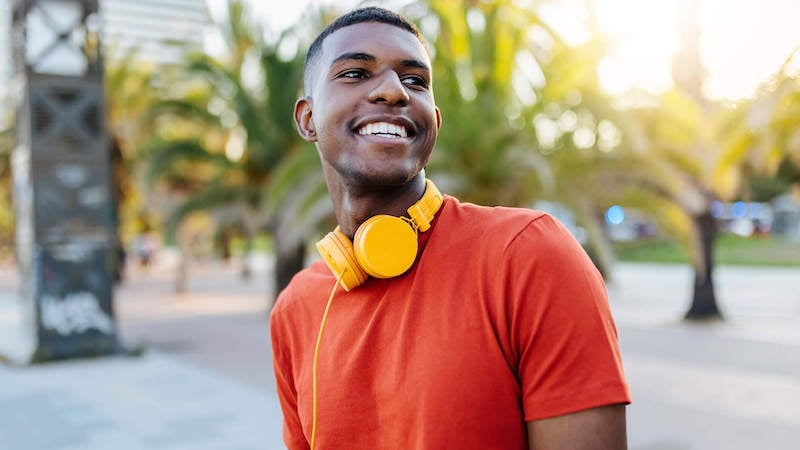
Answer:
(371, 111)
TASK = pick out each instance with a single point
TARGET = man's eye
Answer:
(353, 74)
(415, 80)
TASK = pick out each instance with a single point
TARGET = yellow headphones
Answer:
(384, 246)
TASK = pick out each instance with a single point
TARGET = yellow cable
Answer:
(314, 366)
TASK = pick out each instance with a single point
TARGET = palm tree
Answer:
(130, 88)
(688, 163)
(237, 154)
(691, 153)
(666, 163)
(525, 118)
(761, 133)
(681, 169)
(484, 152)
(556, 135)
(581, 132)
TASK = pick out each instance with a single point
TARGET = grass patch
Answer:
(730, 249)
(261, 243)
(650, 250)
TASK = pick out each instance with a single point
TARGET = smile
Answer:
(383, 129)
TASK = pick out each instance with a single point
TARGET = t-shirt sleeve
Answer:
(562, 329)
(293, 435)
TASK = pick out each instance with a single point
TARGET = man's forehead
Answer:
(371, 38)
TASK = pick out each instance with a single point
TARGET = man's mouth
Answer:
(383, 129)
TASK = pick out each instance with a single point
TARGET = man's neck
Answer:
(355, 204)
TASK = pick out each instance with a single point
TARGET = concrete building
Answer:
(159, 29)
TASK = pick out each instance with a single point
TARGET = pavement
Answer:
(205, 380)
(732, 385)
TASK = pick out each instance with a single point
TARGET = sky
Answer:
(742, 42)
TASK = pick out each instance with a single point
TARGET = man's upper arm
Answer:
(287, 395)
(563, 331)
(600, 428)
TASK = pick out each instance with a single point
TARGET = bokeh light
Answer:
(615, 215)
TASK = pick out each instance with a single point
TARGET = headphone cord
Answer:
(314, 366)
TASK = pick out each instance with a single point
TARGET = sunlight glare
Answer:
(642, 39)
(740, 47)
(742, 43)
(743, 46)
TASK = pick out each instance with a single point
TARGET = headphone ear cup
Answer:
(385, 246)
(337, 251)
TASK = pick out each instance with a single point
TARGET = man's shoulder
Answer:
(491, 213)
(303, 287)
(502, 220)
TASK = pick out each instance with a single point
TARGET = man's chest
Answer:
(398, 370)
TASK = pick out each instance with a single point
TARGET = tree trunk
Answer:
(288, 261)
(247, 270)
(185, 253)
(704, 301)
(599, 247)
(182, 271)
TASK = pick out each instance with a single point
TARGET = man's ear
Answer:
(302, 119)
(438, 118)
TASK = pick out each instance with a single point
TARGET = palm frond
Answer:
(215, 195)
(165, 154)
(183, 108)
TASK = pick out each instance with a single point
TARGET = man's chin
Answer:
(379, 180)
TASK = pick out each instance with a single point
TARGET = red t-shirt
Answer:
(502, 319)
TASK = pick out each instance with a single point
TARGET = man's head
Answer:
(369, 104)
(368, 14)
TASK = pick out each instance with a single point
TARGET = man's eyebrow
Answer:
(353, 56)
(360, 56)
(415, 63)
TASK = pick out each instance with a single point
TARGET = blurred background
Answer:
(664, 134)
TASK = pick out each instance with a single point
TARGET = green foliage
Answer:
(244, 99)
(6, 210)
(765, 188)
(789, 171)
(131, 86)
(491, 97)
(524, 119)
(765, 131)
(179, 160)
(484, 148)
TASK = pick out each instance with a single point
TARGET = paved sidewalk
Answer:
(199, 385)
(120, 403)
(733, 385)
(205, 381)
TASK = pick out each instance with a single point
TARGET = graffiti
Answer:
(75, 313)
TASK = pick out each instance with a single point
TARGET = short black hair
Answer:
(360, 15)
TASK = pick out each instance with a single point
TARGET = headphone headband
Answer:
(423, 211)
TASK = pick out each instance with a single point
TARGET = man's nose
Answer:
(390, 89)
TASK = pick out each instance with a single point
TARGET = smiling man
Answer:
(430, 323)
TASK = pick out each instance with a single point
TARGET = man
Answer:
(488, 329)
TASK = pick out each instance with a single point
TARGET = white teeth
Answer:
(383, 129)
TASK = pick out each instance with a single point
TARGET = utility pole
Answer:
(62, 186)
